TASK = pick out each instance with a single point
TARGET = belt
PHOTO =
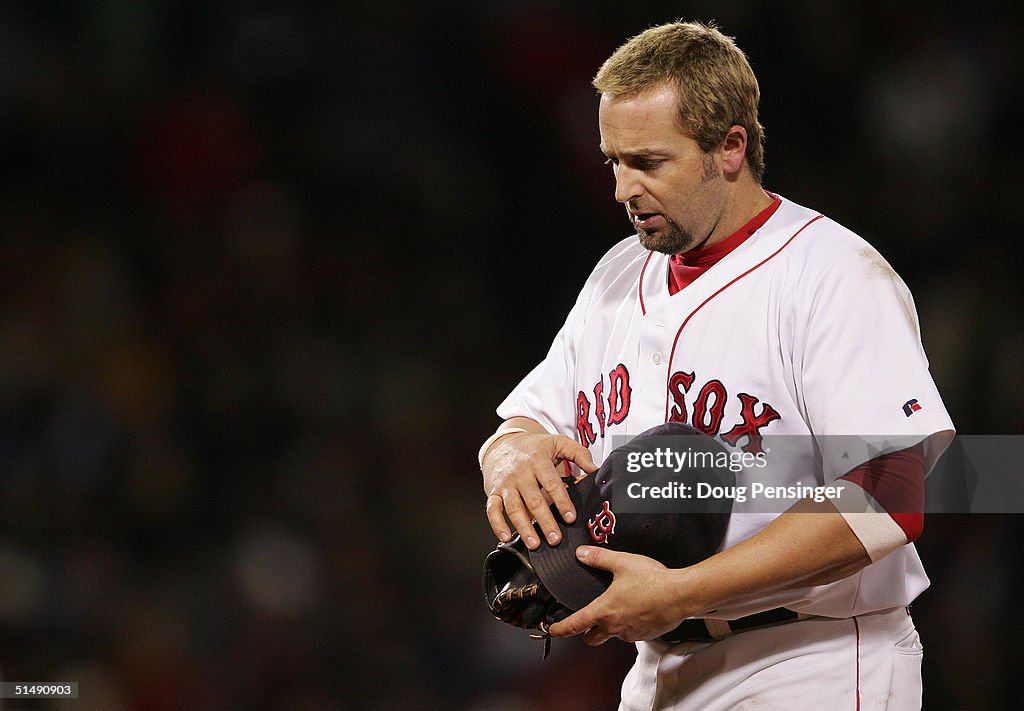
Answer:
(710, 630)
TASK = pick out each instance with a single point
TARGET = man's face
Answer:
(674, 193)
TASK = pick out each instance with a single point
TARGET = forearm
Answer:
(810, 544)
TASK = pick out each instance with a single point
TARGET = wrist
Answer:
(489, 442)
(691, 595)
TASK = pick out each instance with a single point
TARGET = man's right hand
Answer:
(518, 469)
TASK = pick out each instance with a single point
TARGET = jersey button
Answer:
(656, 358)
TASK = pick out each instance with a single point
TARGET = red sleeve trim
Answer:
(896, 482)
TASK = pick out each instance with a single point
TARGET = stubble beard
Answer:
(675, 239)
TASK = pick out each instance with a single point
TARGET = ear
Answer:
(734, 149)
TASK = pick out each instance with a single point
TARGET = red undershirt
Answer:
(896, 480)
(686, 267)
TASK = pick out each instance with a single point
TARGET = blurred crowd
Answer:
(267, 268)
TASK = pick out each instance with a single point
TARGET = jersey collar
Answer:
(706, 256)
(686, 267)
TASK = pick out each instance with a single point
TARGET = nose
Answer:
(627, 184)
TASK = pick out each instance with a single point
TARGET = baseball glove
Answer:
(515, 594)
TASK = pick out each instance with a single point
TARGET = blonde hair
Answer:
(716, 86)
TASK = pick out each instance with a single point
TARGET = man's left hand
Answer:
(641, 603)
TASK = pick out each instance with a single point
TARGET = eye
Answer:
(612, 161)
(648, 164)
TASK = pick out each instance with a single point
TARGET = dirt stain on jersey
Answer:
(875, 267)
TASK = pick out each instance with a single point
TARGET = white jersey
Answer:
(803, 329)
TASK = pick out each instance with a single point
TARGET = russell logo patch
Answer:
(910, 407)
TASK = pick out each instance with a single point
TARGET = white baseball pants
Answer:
(865, 663)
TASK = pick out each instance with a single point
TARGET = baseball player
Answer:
(747, 316)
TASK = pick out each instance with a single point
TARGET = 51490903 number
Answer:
(39, 690)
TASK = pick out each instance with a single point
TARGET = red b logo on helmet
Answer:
(602, 525)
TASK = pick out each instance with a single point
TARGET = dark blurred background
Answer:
(267, 268)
